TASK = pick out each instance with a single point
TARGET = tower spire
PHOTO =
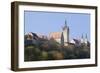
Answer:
(65, 23)
(82, 39)
(82, 36)
(86, 36)
(86, 40)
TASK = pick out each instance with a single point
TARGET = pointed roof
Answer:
(65, 25)
(86, 36)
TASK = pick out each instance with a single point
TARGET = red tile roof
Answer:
(55, 35)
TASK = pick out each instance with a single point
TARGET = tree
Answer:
(43, 55)
(31, 53)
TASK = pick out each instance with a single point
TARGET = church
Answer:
(61, 37)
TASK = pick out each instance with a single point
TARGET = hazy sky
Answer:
(46, 22)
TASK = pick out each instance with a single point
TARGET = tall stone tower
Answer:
(65, 34)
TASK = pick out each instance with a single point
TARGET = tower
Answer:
(65, 34)
(82, 39)
(85, 39)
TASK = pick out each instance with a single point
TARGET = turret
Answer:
(84, 39)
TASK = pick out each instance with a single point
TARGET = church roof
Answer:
(55, 35)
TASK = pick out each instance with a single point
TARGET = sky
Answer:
(46, 22)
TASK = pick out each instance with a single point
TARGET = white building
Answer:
(84, 39)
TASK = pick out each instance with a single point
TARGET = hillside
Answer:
(38, 49)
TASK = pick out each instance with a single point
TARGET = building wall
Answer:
(66, 35)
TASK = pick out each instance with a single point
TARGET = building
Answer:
(61, 37)
(84, 39)
(56, 36)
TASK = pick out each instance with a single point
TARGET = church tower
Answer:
(65, 34)
(82, 39)
(86, 40)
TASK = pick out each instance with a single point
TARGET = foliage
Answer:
(43, 49)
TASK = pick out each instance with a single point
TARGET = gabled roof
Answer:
(55, 35)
